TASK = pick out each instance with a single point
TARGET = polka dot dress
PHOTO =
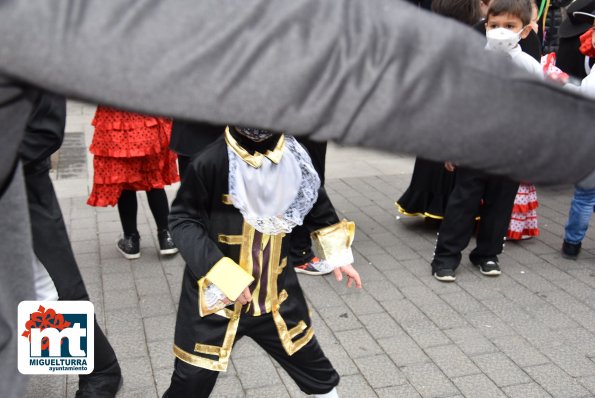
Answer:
(131, 152)
(523, 222)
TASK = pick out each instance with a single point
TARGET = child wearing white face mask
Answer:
(507, 22)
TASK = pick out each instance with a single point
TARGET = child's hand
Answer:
(449, 166)
(351, 273)
(244, 298)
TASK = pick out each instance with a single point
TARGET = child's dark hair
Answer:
(518, 8)
(465, 11)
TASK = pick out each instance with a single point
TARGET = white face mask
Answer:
(502, 39)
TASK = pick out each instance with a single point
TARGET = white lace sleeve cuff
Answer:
(214, 297)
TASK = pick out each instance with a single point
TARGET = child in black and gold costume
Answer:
(231, 220)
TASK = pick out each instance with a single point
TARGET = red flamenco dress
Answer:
(523, 221)
(131, 152)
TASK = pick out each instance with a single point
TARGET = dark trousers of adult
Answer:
(308, 367)
(464, 204)
(52, 246)
(301, 245)
(128, 208)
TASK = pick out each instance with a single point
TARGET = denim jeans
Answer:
(581, 210)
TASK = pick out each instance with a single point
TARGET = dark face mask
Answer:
(255, 135)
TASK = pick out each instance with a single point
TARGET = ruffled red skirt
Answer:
(523, 221)
(131, 152)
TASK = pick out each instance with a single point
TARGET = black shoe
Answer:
(489, 267)
(129, 246)
(100, 384)
(445, 275)
(571, 250)
(166, 244)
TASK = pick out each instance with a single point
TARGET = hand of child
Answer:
(244, 298)
(351, 273)
(449, 166)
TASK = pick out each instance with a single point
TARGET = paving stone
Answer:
(570, 360)
(250, 370)
(358, 343)
(340, 318)
(137, 374)
(425, 333)
(489, 324)
(156, 305)
(228, 387)
(379, 371)
(452, 361)
(556, 382)
(159, 328)
(588, 382)
(478, 386)
(470, 341)
(120, 299)
(354, 386)
(117, 281)
(276, 391)
(381, 325)
(129, 345)
(404, 391)
(520, 351)
(403, 311)
(148, 392)
(50, 386)
(362, 304)
(339, 358)
(429, 381)
(124, 320)
(501, 369)
(161, 354)
(530, 390)
(462, 302)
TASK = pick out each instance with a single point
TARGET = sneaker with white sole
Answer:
(129, 246)
(445, 275)
(166, 244)
(489, 268)
(315, 266)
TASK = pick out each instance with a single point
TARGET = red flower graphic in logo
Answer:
(43, 319)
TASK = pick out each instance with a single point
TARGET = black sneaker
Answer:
(489, 268)
(166, 244)
(571, 250)
(445, 275)
(129, 246)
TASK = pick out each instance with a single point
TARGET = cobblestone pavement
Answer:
(528, 333)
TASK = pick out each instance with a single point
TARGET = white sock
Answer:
(44, 285)
(331, 394)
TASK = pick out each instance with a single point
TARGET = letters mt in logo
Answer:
(56, 338)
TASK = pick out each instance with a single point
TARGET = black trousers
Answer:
(464, 204)
(52, 246)
(309, 367)
(301, 245)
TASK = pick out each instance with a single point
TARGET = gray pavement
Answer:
(528, 333)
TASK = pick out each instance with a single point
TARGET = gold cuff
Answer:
(229, 277)
(333, 241)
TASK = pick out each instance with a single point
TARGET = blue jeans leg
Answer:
(581, 210)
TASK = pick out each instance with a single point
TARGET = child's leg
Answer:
(190, 381)
(308, 367)
(459, 219)
(581, 210)
(127, 208)
(495, 217)
(159, 206)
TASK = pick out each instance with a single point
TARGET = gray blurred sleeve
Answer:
(378, 73)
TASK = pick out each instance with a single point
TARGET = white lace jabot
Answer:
(274, 197)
